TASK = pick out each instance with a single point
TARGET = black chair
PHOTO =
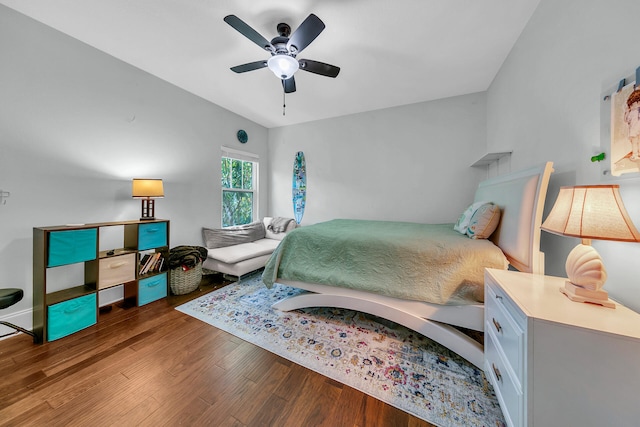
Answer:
(8, 297)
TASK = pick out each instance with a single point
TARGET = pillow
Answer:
(269, 234)
(484, 221)
(223, 237)
(463, 221)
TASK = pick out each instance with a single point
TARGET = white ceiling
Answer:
(391, 52)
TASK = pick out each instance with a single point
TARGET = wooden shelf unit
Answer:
(77, 306)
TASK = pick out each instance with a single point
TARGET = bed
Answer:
(404, 272)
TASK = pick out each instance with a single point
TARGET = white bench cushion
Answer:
(236, 269)
(243, 251)
(271, 244)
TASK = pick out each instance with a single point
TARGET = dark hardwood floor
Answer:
(155, 366)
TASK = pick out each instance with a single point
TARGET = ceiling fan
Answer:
(284, 50)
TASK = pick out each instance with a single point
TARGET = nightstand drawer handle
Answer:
(497, 324)
(499, 297)
(497, 372)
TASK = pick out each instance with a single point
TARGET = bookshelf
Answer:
(61, 310)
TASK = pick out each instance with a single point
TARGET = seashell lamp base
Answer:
(580, 294)
(587, 275)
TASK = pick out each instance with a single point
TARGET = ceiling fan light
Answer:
(283, 66)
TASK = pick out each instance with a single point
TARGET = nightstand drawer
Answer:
(507, 327)
(508, 392)
(152, 235)
(152, 288)
(116, 270)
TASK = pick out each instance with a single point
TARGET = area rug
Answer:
(382, 359)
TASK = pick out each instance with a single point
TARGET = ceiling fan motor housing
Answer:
(280, 45)
(284, 29)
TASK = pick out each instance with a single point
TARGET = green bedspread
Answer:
(424, 262)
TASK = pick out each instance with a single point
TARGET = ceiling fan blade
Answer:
(244, 29)
(249, 67)
(319, 68)
(289, 85)
(305, 34)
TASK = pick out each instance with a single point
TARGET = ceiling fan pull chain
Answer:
(284, 105)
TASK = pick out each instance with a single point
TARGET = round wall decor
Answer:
(242, 136)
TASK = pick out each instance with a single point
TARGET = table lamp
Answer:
(589, 212)
(147, 190)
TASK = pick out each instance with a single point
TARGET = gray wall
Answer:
(408, 163)
(76, 125)
(544, 104)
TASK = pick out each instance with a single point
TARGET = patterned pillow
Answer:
(484, 221)
(463, 221)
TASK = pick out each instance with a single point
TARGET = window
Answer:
(239, 187)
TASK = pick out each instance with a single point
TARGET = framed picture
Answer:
(625, 130)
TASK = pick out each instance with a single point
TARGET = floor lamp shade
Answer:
(589, 212)
(147, 190)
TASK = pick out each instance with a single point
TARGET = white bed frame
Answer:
(521, 196)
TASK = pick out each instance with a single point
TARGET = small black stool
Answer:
(8, 297)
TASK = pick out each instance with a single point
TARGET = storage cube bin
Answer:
(116, 270)
(152, 288)
(70, 316)
(152, 235)
(72, 246)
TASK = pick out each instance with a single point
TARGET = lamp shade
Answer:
(147, 188)
(591, 212)
(283, 66)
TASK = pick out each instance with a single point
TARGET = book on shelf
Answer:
(144, 262)
(151, 265)
(159, 265)
(148, 265)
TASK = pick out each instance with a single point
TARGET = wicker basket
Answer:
(183, 282)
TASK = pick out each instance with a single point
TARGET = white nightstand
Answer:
(555, 362)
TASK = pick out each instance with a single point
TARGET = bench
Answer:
(237, 251)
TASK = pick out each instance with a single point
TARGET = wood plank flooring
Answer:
(154, 366)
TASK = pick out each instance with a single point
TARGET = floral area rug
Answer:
(387, 361)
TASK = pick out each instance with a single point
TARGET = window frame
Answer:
(243, 156)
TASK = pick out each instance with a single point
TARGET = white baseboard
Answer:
(22, 318)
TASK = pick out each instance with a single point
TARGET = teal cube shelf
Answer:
(64, 304)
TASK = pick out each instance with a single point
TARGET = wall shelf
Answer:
(490, 158)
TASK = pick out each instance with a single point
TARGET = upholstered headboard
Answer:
(521, 196)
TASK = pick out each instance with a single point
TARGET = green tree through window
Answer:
(238, 191)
